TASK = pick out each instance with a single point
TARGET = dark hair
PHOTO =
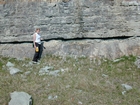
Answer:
(37, 29)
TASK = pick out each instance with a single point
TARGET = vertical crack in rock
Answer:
(79, 18)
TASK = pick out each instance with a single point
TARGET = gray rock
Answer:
(14, 70)
(52, 98)
(45, 70)
(74, 19)
(20, 98)
(48, 70)
(104, 75)
(123, 93)
(54, 72)
(27, 73)
(94, 19)
(137, 62)
(80, 103)
(130, 3)
(127, 87)
(9, 64)
(110, 49)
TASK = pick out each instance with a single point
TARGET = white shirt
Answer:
(38, 38)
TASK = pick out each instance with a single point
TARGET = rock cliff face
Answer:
(111, 27)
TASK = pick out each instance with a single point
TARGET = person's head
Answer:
(37, 30)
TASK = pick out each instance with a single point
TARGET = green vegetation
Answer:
(84, 81)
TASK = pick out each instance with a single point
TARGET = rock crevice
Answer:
(107, 21)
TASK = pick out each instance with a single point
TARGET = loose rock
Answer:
(20, 98)
(14, 70)
(9, 64)
(127, 87)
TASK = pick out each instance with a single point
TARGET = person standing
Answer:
(37, 45)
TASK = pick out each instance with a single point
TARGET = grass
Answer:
(82, 83)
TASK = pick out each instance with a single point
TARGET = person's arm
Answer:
(34, 37)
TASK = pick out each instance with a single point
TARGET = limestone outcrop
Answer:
(111, 49)
(109, 21)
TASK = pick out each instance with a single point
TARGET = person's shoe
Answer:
(34, 62)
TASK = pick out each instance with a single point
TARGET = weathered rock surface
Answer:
(108, 49)
(127, 87)
(137, 62)
(20, 98)
(12, 69)
(71, 19)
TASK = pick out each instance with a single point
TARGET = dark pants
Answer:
(37, 55)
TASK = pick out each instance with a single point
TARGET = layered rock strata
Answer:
(112, 27)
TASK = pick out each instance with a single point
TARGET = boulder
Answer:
(20, 98)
